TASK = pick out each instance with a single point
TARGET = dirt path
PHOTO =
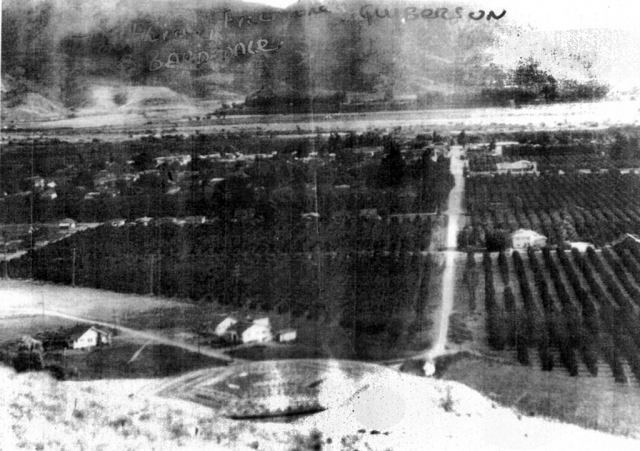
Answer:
(453, 213)
(136, 333)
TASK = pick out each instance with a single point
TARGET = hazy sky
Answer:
(607, 45)
(549, 14)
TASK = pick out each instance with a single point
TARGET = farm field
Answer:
(596, 208)
(558, 333)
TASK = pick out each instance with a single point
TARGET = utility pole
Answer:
(151, 275)
(6, 262)
(73, 268)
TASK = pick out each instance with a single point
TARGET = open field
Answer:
(14, 327)
(550, 117)
(153, 361)
(585, 401)
(93, 304)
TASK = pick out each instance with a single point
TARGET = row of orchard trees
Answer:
(368, 291)
(585, 207)
(571, 303)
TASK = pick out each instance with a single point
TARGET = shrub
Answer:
(28, 361)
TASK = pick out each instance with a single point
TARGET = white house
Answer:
(82, 337)
(257, 333)
(521, 239)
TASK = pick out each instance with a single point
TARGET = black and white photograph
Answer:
(319, 225)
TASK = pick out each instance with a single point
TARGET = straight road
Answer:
(454, 211)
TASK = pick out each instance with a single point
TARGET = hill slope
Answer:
(390, 411)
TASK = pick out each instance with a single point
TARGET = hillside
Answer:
(391, 411)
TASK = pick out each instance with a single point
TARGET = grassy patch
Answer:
(594, 403)
(155, 360)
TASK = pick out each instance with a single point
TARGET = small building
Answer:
(581, 246)
(312, 215)
(145, 220)
(225, 325)
(36, 182)
(287, 335)
(32, 344)
(522, 239)
(49, 194)
(369, 213)
(195, 219)
(117, 222)
(518, 167)
(67, 224)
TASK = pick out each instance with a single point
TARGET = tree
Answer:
(497, 241)
(529, 76)
(462, 138)
(143, 161)
(391, 172)
(28, 361)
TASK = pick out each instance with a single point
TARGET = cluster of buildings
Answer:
(79, 337)
(234, 331)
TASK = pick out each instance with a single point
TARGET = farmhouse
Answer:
(234, 331)
(258, 332)
(84, 337)
(523, 239)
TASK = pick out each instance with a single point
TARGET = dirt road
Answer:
(134, 333)
(453, 212)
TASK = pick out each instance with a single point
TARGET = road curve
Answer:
(136, 333)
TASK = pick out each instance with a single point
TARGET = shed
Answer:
(287, 335)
